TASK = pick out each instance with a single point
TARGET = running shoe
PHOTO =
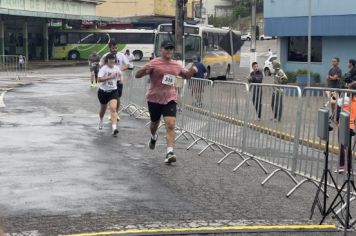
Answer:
(170, 158)
(152, 143)
(92, 85)
(115, 132)
(100, 125)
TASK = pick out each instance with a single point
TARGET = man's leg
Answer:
(92, 74)
(155, 111)
(170, 123)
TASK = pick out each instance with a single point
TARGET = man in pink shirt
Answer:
(162, 94)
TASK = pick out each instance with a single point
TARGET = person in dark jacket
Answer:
(256, 76)
(350, 76)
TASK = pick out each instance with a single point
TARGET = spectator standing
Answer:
(130, 57)
(279, 78)
(333, 80)
(196, 86)
(256, 76)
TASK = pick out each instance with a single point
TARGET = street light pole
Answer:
(309, 39)
(253, 26)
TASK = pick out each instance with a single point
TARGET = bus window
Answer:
(210, 42)
(73, 38)
(192, 46)
(88, 38)
(60, 39)
(216, 41)
(103, 38)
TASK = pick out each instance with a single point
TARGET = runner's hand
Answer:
(194, 69)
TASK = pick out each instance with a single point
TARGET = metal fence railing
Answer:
(13, 65)
(268, 124)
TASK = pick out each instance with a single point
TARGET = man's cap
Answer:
(195, 58)
(276, 64)
(166, 44)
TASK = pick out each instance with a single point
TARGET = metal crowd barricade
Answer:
(195, 106)
(227, 112)
(135, 102)
(13, 65)
(309, 163)
(271, 127)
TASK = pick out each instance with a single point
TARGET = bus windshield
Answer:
(192, 44)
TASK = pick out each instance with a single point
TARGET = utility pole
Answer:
(179, 27)
(253, 26)
(201, 9)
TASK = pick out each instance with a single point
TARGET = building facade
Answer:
(24, 23)
(333, 32)
(132, 8)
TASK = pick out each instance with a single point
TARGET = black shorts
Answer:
(106, 96)
(120, 87)
(157, 110)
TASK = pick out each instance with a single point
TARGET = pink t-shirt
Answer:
(158, 92)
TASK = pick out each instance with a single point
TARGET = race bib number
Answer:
(110, 84)
(169, 80)
(93, 64)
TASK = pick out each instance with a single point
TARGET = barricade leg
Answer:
(231, 152)
(252, 159)
(279, 170)
(300, 184)
(211, 146)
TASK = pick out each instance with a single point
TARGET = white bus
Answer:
(204, 42)
(79, 44)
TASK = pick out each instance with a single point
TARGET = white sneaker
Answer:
(100, 125)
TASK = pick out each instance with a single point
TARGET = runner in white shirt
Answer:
(108, 77)
(130, 57)
(122, 62)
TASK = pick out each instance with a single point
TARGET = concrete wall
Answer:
(341, 47)
(130, 8)
(288, 8)
(114, 8)
(209, 5)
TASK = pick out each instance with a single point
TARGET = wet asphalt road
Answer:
(60, 175)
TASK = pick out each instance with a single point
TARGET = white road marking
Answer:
(2, 104)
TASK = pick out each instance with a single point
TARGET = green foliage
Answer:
(292, 75)
(241, 9)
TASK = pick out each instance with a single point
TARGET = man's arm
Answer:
(188, 74)
(143, 71)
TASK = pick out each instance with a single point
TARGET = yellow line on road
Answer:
(214, 229)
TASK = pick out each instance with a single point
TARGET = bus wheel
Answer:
(138, 55)
(73, 55)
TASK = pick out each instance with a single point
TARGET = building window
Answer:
(298, 49)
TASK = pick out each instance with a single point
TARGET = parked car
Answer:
(268, 68)
(246, 37)
(265, 37)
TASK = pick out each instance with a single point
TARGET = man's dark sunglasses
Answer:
(169, 48)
